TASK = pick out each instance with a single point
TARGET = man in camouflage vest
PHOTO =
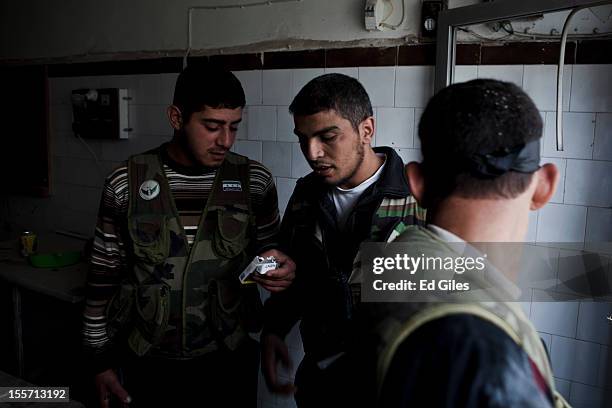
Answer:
(167, 319)
(355, 193)
(479, 178)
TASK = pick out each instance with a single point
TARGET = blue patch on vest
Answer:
(232, 185)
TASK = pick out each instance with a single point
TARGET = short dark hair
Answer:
(467, 119)
(338, 92)
(207, 85)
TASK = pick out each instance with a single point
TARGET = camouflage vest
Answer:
(399, 321)
(199, 287)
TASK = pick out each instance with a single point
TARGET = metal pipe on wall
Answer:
(449, 20)
(560, 78)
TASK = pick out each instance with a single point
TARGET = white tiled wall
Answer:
(395, 127)
(379, 83)
(302, 76)
(262, 123)
(575, 333)
(352, 72)
(277, 87)
(540, 81)
(591, 86)
(580, 211)
(553, 227)
(603, 137)
(252, 84)
(578, 135)
(509, 73)
(413, 86)
(284, 130)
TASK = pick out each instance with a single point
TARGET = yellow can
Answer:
(28, 243)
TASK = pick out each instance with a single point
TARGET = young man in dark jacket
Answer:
(468, 347)
(355, 193)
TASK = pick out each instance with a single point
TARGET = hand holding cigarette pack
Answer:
(259, 265)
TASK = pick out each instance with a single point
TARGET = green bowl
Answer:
(55, 260)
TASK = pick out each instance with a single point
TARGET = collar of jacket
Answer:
(392, 181)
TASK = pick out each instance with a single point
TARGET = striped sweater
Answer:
(190, 189)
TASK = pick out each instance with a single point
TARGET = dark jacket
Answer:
(462, 361)
(320, 294)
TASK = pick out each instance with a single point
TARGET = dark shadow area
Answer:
(52, 352)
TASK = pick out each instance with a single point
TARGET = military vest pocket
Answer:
(119, 310)
(152, 309)
(151, 238)
(251, 309)
(224, 302)
(230, 238)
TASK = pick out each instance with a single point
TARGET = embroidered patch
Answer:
(232, 185)
(149, 190)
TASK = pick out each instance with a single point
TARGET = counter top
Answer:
(66, 283)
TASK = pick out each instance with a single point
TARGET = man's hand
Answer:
(278, 279)
(273, 351)
(107, 385)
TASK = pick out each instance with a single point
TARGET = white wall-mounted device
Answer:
(374, 10)
(381, 15)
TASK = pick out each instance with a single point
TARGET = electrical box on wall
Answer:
(100, 113)
(373, 15)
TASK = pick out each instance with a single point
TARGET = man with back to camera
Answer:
(176, 227)
(479, 178)
(355, 193)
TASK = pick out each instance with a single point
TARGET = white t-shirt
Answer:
(345, 199)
